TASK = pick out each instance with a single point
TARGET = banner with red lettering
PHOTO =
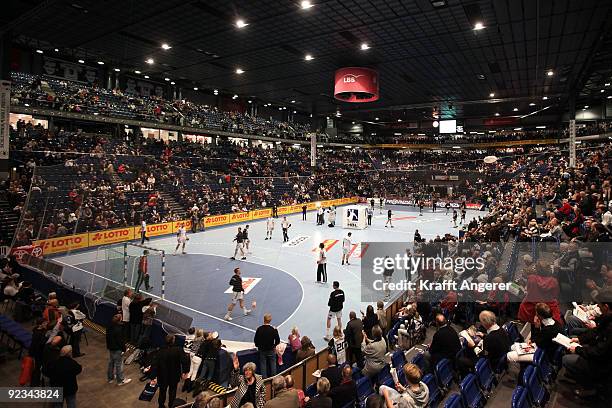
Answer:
(111, 236)
(63, 244)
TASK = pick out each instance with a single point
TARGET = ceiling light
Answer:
(586, 106)
(137, 72)
(491, 95)
(305, 4)
(515, 109)
(550, 72)
(293, 101)
(81, 62)
(478, 26)
(544, 98)
(603, 90)
(239, 71)
(338, 114)
(195, 88)
(532, 104)
(518, 128)
(294, 112)
(541, 127)
(100, 62)
(438, 3)
(216, 92)
(435, 123)
(235, 96)
(280, 109)
(39, 51)
(365, 46)
(165, 46)
(117, 70)
(607, 84)
(352, 123)
(284, 108)
(240, 23)
(150, 61)
(172, 83)
(496, 113)
(166, 79)
(56, 50)
(399, 120)
(146, 77)
(609, 96)
(308, 57)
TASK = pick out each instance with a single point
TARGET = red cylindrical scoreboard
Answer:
(355, 84)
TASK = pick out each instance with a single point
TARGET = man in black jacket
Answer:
(171, 364)
(496, 342)
(63, 373)
(266, 340)
(333, 373)
(354, 337)
(346, 391)
(115, 344)
(444, 344)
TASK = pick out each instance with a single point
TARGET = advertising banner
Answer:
(177, 224)
(5, 106)
(286, 209)
(111, 236)
(240, 217)
(216, 220)
(264, 213)
(33, 250)
(311, 206)
(70, 70)
(154, 230)
(63, 244)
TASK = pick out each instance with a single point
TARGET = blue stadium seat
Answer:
(454, 401)
(513, 332)
(546, 370)
(470, 392)
(398, 359)
(519, 398)
(419, 361)
(311, 390)
(558, 356)
(384, 376)
(486, 377)
(501, 365)
(444, 373)
(364, 388)
(538, 395)
(435, 395)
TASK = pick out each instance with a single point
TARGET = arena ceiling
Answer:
(430, 58)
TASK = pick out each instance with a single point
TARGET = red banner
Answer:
(33, 250)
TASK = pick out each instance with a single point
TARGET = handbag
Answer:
(149, 391)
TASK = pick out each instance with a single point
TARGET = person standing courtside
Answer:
(370, 212)
(269, 228)
(266, 339)
(171, 364)
(322, 264)
(346, 247)
(239, 239)
(143, 232)
(389, 215)
(237, 295)
(143, 272)
(304, 208)
(335, 303)
(285, 227)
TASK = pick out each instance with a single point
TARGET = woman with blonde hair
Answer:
(337, 345)
(295, 340)
(196, 360)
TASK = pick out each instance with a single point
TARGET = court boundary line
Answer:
(165, 300)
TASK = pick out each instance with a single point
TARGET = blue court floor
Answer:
(281, 276)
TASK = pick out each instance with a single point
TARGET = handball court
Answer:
(279, 277)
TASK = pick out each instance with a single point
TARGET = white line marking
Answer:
(165, 300)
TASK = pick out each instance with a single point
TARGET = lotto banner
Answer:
(63, 244)
(264, 213)
(154, 230)
(296, 208)
(311, 206)
(216, 220)
(240, 217)
(112, 236)
(177, 224)
(286, 209)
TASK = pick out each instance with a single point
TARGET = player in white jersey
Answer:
(346, 247)
(181, 238)
(269, 227)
